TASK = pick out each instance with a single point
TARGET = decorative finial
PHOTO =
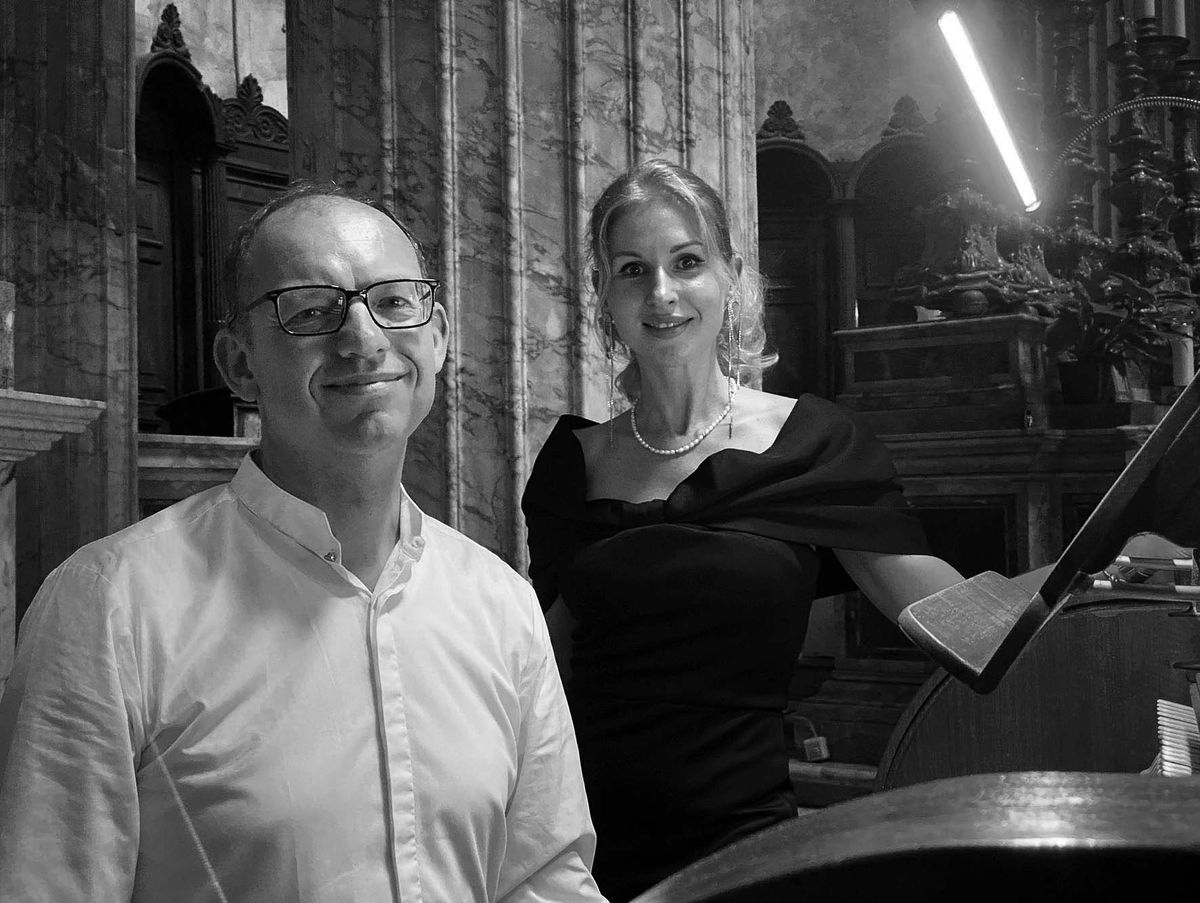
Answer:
(249, 92)
(906, 118)
(169, 35)
(247, 118)
(780, 123)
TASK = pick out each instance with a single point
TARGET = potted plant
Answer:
(1109, 323)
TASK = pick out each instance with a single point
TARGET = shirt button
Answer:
(331, 556)
(417, 542)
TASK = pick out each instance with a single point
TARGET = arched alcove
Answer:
(179, 142)
(889, 185)
(204, 163)
(795, 246)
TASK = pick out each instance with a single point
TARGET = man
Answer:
(297, 686)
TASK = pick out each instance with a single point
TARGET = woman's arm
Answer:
(893, 582)
(561, 625)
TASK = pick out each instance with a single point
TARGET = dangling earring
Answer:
(610, 350)
(733, 323)
(737, 323)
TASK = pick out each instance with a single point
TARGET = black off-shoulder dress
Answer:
(690, 613)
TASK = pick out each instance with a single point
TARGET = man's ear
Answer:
(232, 354)
(441, 334)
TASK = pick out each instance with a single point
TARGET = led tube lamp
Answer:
(977, 81)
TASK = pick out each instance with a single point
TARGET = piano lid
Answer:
(977, 628)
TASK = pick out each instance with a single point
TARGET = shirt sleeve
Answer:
(68, 792)
(551, 841)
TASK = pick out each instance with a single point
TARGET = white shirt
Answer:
(208, 706)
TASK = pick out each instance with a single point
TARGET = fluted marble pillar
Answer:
(68, 244)
(491, 126)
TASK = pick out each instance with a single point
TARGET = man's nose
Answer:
(360, 334)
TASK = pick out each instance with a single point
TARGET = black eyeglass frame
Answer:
(349, 294)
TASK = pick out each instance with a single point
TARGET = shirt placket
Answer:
(392, 726)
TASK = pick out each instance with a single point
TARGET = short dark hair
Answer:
(239, 247)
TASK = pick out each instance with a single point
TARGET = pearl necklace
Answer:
(700, 436)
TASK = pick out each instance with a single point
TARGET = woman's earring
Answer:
(733, 325)
(737, 325)
(610, 350)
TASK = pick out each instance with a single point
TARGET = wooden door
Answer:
(169, 310)
(793, 249)
(156, 293)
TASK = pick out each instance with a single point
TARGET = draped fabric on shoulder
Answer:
(689, 613)
(826, 482)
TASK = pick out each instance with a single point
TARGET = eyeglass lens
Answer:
(317, 309)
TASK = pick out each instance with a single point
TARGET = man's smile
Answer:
(358, 383)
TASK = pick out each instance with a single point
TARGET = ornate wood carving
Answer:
(780, 124)
(1185, 81)
(1158, 53)
(247, 118)
(169, 35)
(906, 119)
(977, 258)
(1138, 187)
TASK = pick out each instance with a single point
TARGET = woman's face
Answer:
(668, 289)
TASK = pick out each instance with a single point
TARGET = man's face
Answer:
(360, 390)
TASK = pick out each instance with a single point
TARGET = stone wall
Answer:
(492, 125)
(67, 244)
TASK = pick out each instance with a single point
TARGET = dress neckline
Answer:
(703, 465)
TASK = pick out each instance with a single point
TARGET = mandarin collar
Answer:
(306, 523)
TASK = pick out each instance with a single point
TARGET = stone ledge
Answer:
(31, 422)
(171, 467)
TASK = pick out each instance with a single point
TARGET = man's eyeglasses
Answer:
(321, 309)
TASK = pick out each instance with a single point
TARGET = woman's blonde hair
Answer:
(666, 182)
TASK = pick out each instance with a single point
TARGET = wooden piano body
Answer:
(1080, 698)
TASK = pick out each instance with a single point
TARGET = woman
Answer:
(678, 547)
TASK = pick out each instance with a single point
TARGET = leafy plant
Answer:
(1112, 319)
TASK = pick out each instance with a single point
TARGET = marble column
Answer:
(67, 242)
(491, 126)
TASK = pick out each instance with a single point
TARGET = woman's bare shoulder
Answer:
(767, 405)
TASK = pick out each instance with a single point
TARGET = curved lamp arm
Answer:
(1125, 106)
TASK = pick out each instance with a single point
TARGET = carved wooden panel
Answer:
(257, 168)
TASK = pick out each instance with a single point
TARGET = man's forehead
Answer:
(321, 226)
(320, 218)
(324, 239)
